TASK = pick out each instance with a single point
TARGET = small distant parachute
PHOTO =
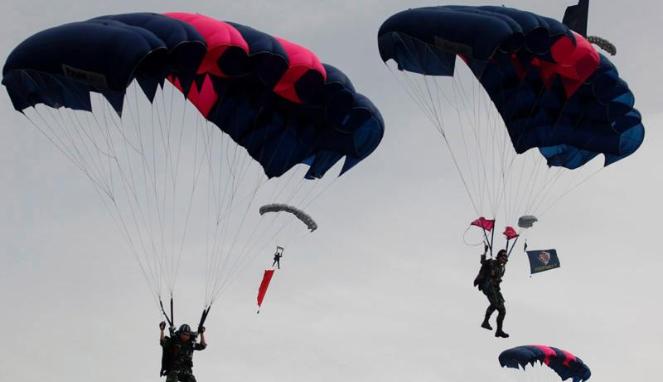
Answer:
(565, 364)
(603, 44)
(527, 221)
(299, 214)
(302, 216)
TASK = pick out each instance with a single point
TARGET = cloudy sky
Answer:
(383, 291)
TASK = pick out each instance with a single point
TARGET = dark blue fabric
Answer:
(598, 118)
(59, 67)
(268, 59)
(542, 260)
(280, 134)
(439, 33)
(334, 121)
(521, 356)
(575, 17)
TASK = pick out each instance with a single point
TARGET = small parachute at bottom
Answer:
(565, 364)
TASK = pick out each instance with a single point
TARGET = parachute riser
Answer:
(509, 250)
(492, 237)
(203, 318)
(172, 311)
(488, 242)
(163, 311)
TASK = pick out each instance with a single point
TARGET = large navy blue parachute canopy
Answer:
(565, 364)
(554, 91)
(273, 97)
(60, 66)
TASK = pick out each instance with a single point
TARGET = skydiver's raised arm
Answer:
(162, 336)
(483, 255)
(202, 344)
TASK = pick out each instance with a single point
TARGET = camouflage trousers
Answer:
(181, 376)
(496, 301)
(494, 295)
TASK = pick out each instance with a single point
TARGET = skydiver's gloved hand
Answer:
(162, 325)
(485, 248)
(201, 329)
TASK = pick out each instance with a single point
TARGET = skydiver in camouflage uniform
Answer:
(488, 281)
(178, 353)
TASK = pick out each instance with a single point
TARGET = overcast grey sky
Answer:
(383, 291)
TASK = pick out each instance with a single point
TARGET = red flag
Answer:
(484, 223)
(266, 278)
(510, 233)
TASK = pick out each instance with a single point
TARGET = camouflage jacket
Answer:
(178, 355)
(491, 272)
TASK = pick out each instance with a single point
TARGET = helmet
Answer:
(502, 253)
(184, 329)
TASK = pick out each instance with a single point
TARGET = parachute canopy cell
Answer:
(299, 214)
(273, 97)
(553, 90)
(565, 364)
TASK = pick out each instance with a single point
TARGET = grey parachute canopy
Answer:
(527, 221)
(299, 214)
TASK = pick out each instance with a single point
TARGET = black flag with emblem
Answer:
(542, 260)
